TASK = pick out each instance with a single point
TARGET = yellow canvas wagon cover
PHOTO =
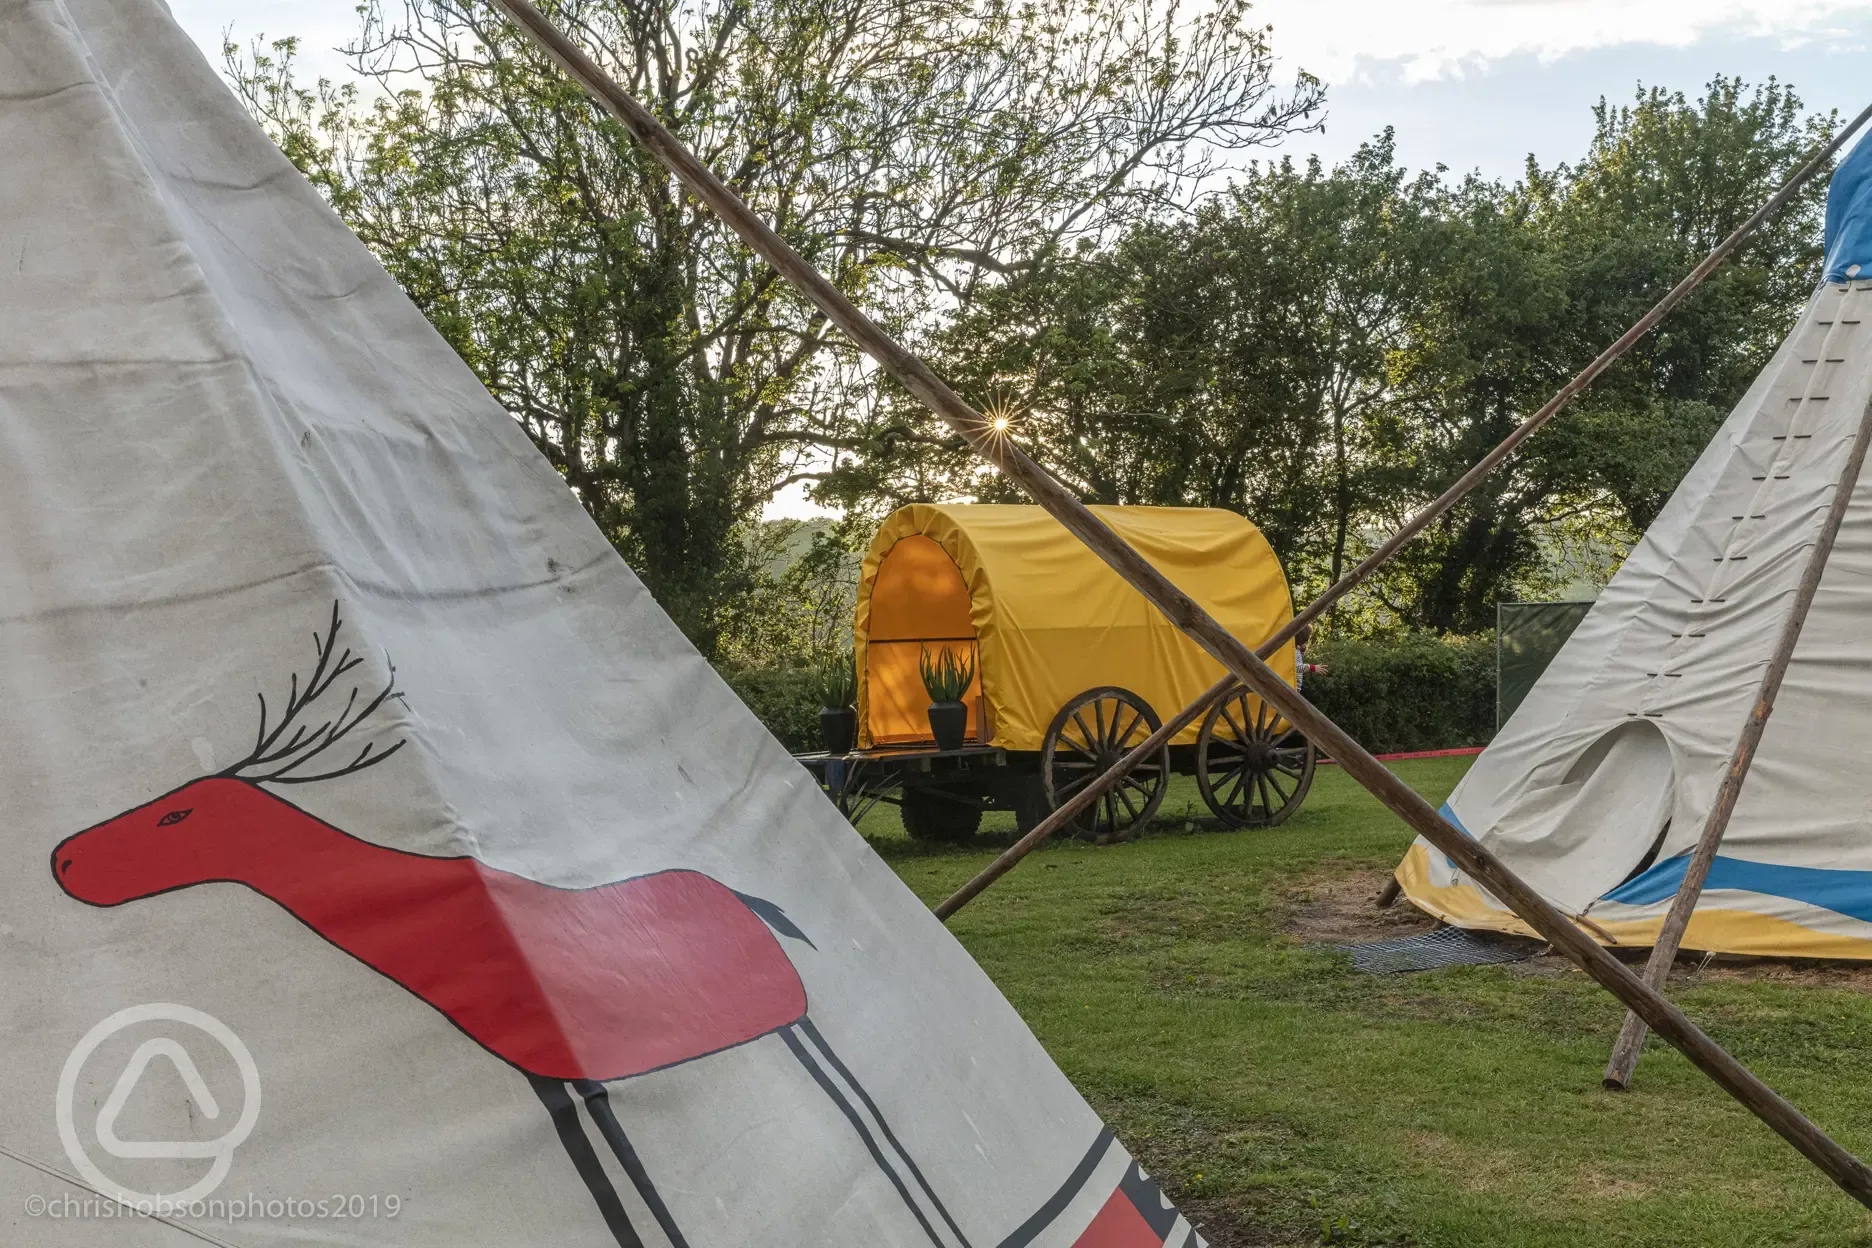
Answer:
(1045, 617)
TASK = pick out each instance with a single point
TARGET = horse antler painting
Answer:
(574, 987)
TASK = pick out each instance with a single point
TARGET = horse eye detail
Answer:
(174, 817)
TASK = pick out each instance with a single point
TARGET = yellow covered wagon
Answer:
(1072, 668)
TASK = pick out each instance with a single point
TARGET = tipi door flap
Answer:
(1577, 839)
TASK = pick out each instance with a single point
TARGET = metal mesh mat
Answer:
(1447, 946)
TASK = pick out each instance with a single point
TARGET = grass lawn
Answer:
(1284, 1099)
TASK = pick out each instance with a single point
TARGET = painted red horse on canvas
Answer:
(573, 987)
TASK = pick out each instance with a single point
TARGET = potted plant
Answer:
(946, 678)
(835, 678)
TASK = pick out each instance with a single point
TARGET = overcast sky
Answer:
(1470, 84)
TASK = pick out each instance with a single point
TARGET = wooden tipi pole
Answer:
(1667, 1020)
(1631, 1036)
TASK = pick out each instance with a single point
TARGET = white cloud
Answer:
(1435, 39)
(1336, 39)
(321, 26)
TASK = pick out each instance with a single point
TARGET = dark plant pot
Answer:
(948, 724)
(838, 729)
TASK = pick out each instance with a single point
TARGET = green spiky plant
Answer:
(946, 678)
(835, 679)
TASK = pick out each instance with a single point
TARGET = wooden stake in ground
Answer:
(1097, 788)
(1631, 1036)
(1667, 1020)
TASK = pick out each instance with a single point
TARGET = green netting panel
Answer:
(1527, 636)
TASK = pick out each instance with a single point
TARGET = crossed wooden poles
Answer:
(1244, 665)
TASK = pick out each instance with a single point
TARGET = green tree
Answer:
(914, 150)
(1664, 183)
(1550, 271)
(1325, 351)
(1241, 357)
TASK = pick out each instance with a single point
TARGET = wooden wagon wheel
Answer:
(1089, 734)
(1253, 769)
(930, 814)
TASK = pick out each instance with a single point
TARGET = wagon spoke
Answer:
(1241, 734)
(1134, 782)
(1122, 738)
(1062, 790)
(1223, 800)
(1235, 790)
(1267, 799)
(1091, 738)
(1114, 738)
(1119, 793)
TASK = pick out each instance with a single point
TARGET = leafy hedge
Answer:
(786, 699)
(1415, 692)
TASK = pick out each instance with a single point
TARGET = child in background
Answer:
(1302, 668)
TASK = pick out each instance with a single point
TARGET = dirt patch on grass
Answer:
(1849, 976)
(1473, 1170)
(1341, 910)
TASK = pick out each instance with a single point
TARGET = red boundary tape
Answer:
(1392, 758)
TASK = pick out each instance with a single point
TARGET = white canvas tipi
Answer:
(535, 937)
(1597, 788)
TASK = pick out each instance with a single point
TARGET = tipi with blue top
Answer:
(1595, 791)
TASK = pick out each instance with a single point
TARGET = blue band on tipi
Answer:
(1843, 892)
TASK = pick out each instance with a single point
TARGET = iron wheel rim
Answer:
(1087, 736)
(1252, 768)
